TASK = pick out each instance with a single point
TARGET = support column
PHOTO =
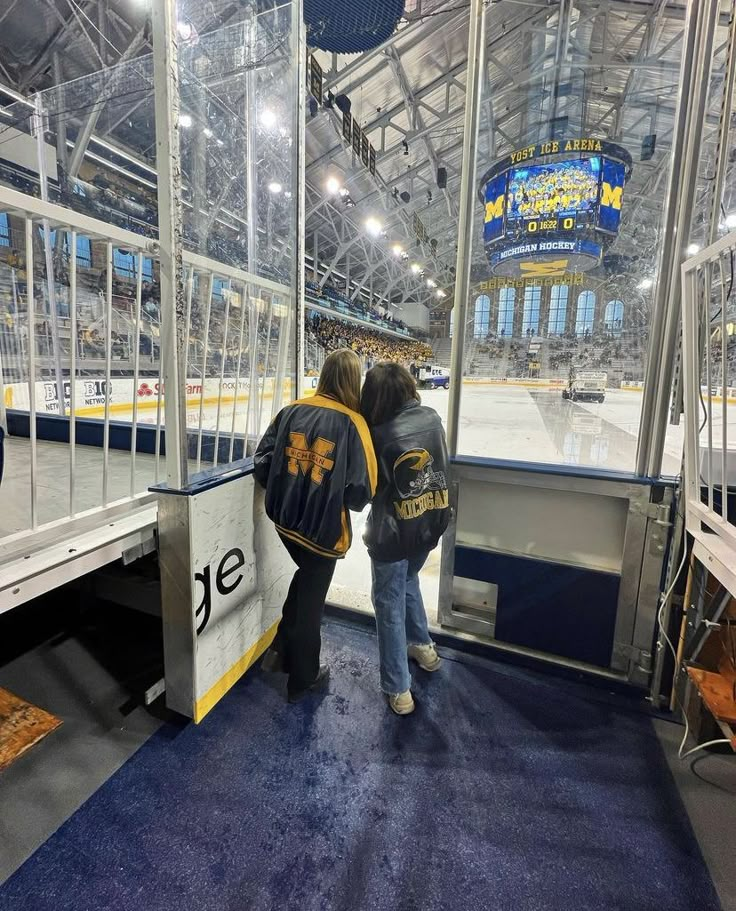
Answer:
(173, 319)
(476, 64)
(299, 78)
(701, 21)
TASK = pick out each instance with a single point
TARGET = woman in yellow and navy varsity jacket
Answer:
(316, 462)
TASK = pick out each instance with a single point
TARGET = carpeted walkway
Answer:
(501, 792)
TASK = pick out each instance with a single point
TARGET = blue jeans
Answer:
(400, 619)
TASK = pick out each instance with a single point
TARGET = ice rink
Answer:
(496, 421)
(524, 424)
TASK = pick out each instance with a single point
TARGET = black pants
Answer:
(298, 639)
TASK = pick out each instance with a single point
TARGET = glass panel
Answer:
(585, 315)
(530, 322)
(482, 316)
(572, 163)
(506, 299)
(614, 317)
(4, 231)
(558, 310)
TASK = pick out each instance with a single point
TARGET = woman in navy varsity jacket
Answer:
(317, 463)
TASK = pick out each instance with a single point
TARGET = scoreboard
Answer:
(554, 207)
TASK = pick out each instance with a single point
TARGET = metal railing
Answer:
(709, 373)
(91, 378)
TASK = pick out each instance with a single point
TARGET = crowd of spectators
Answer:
(369, 344)
(332, 297)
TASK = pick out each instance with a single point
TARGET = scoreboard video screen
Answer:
(552, 197)
(546, 209)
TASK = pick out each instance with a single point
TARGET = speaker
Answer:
(343, 103)
(405, 197)
(648, 145)
(442, 178)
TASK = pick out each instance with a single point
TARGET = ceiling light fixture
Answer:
(185, 120)
(268, 118)
(333, 186)
(397, 249)
(645, 284)
(416, 268)
(374, 227)
(693, 249)
(275, 187)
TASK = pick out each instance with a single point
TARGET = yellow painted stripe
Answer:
(228, 680)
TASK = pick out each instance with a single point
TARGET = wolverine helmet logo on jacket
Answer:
(414, 474)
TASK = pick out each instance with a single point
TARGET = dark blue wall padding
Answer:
(547, 606)
(89, 432)
(501, 791)
(351, 26)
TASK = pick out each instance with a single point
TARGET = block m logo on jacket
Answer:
(313, 460)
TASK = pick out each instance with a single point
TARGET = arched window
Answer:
(585, 314)
(558, 310)
(532, 300)
(506, 298)
(482, 323)
(614, 317)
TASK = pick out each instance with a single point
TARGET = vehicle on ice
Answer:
(586, 385)
(430, 377)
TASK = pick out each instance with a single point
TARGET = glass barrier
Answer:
(80, 299)
(571, 179)
(714, 216)
(236, 84)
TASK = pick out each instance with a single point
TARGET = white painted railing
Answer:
(85, 347)
(709, 372)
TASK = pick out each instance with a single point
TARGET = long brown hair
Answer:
(340, 378)
(387, 388)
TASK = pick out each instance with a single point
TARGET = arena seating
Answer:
(371, 345)
(622, 357)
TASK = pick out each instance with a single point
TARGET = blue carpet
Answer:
(501, 792)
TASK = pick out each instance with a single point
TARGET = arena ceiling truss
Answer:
(606, 68)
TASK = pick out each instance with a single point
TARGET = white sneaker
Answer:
(426, 656)
(402, 703)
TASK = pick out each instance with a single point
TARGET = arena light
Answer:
(440, 293)
(268, 119)
(333, 186)
(431, 283)
(731, 220)
(374, 227)
(416, 268)
(693, 249)
(646, 284)
(185, 120)
(208, 132)
(185, 30)
(275, 187)
(397, 249)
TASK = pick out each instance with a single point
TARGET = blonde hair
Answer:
(340, 378)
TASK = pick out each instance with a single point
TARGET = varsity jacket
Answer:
(316, 462)
(412, 508)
